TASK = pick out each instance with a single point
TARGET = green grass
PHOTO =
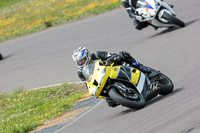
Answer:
(21, 17)
(22, 111)
(9, 3)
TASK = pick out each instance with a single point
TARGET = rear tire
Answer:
(166, 85)
(173, 19)
(117, 97)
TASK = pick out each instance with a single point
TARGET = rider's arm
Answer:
(103, 55)
(130, 9)
(126, 57)
(80, 74)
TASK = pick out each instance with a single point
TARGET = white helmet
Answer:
(81, 56)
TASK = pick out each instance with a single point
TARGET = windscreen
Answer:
(141, 4)
(88, 71)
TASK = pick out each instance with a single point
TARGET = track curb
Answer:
(53, 85)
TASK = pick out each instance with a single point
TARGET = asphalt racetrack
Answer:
(44, 58)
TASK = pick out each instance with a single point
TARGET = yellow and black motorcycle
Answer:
(126, 85)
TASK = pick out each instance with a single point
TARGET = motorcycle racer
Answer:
(82, 57)
(130, 7)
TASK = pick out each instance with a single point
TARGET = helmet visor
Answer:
(81, 62)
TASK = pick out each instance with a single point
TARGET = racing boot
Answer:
(155, 28)
(126, 57)
(111, 103)
(151, 73)
(171, 5)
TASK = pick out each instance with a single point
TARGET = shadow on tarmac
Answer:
(4, 57)
(153, 101)
(174, 28)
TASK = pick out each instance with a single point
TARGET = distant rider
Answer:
(82, 57)
(130, 6)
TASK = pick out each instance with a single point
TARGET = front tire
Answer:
(173, 19)
(166, 85)
(134, 104)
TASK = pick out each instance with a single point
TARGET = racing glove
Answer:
(114, 58)
(126, 57)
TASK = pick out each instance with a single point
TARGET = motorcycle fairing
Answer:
(124, 73)
(149, 6)
(97, 74)
(95, 77)
(141, 83)
(150, 13)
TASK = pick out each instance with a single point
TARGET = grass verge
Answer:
(20, 17)
(22, 111)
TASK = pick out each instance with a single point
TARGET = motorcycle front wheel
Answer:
(173, 19)
(135, 103)
(165, 84)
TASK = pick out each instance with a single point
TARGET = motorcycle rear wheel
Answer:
(119, 98)
(173, 19)
(165, 84)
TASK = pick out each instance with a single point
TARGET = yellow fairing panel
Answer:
(92, 89)
(112, 71)
(101, 73)
(99, 77)
(135, 76)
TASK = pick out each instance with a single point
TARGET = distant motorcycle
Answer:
(126, 85)
(158, 13)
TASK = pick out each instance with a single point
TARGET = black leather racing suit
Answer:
(123, 56)
(130, 6)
